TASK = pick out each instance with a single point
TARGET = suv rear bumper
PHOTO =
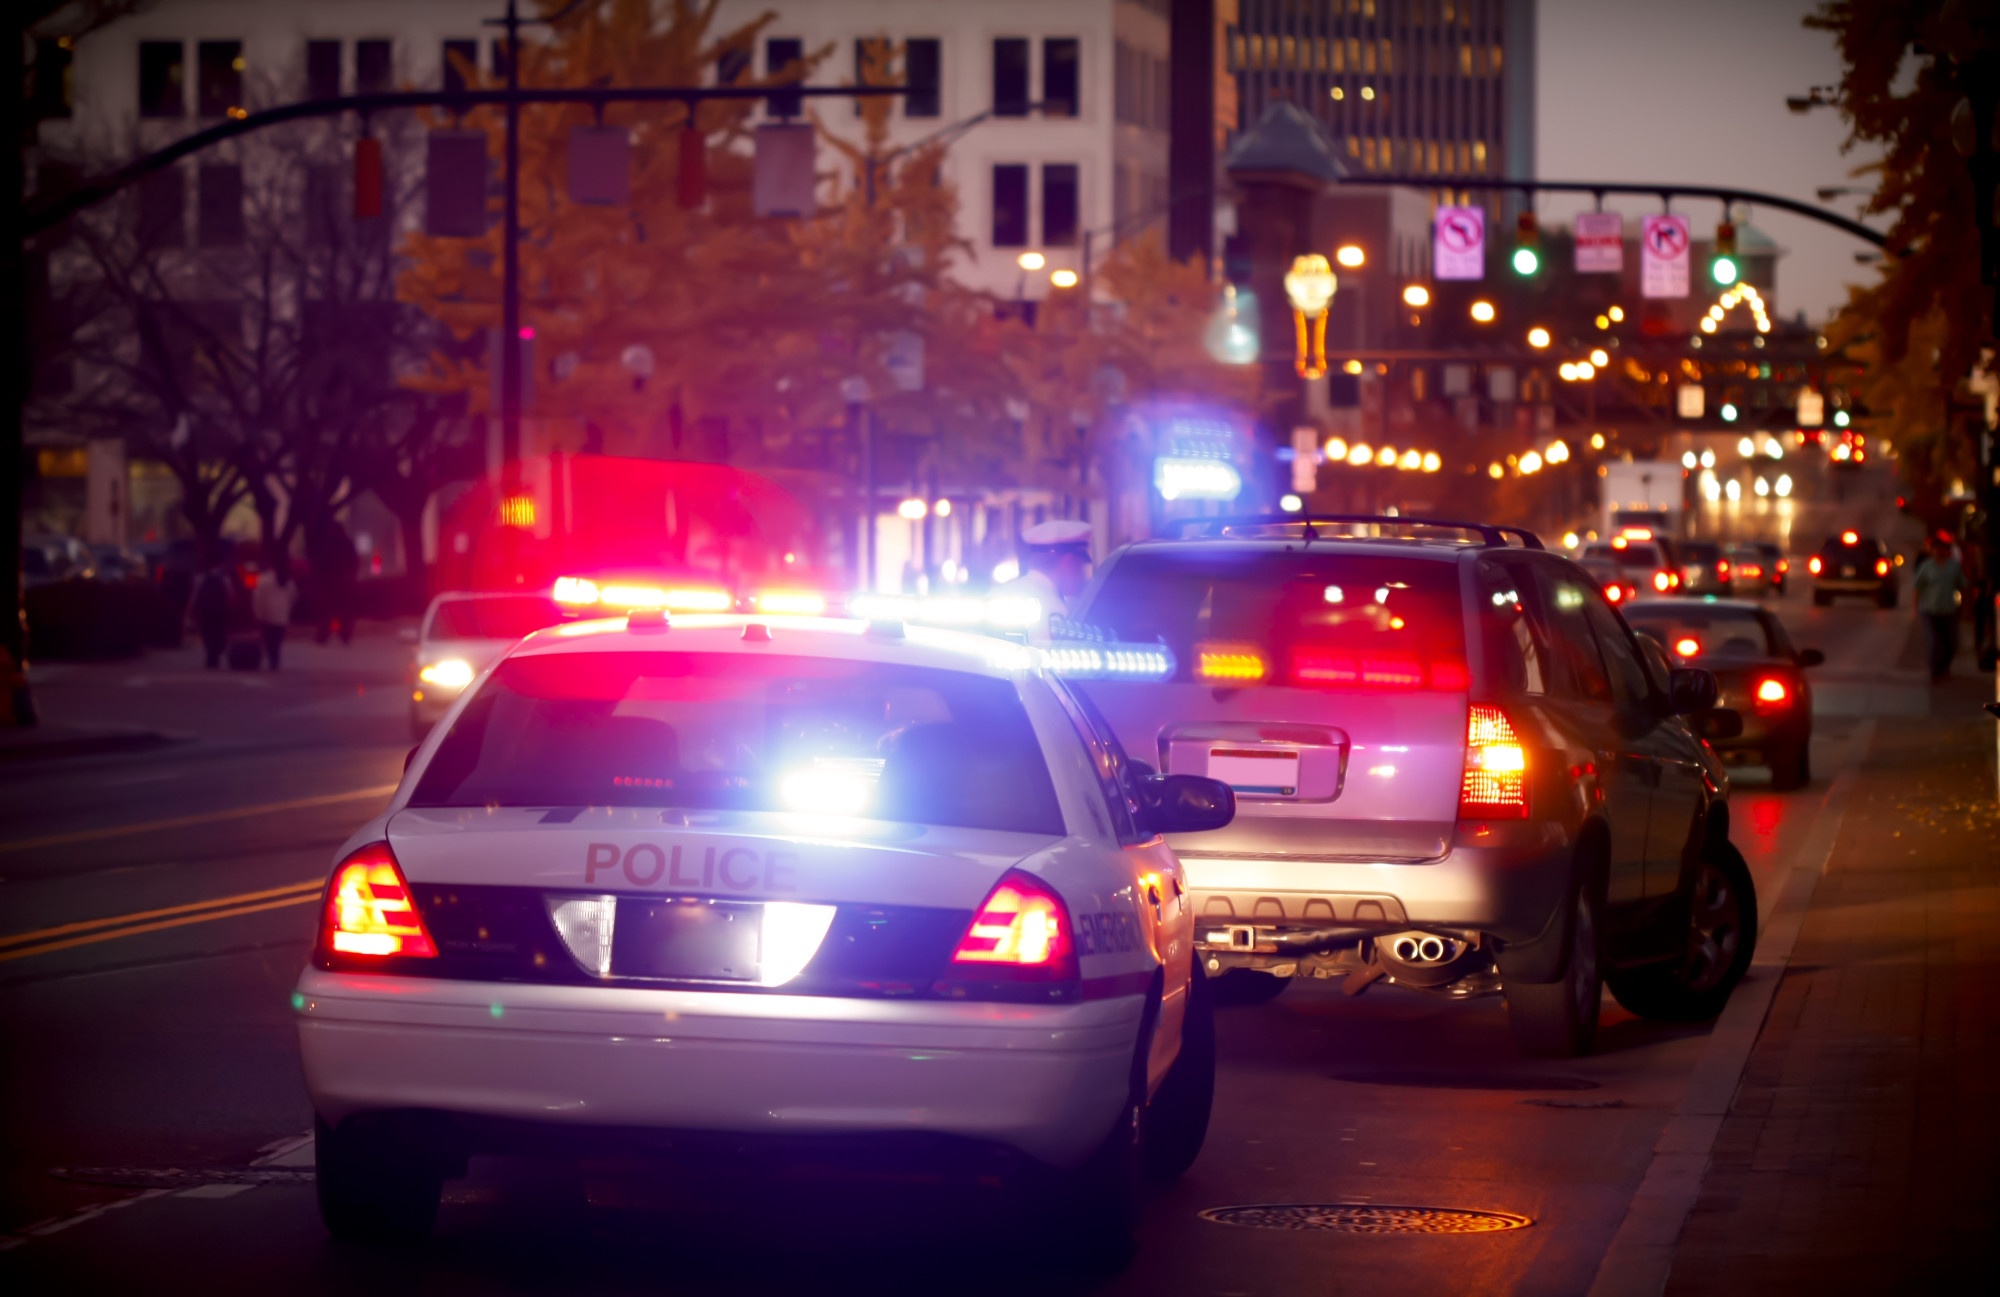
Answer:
(1508, 890)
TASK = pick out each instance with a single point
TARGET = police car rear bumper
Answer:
(1044, 1080)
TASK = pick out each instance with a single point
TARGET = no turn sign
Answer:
(1663, 256)
(1458, 248)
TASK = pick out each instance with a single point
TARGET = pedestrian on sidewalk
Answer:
(271, 604)
(210, 608)
(1940, 585)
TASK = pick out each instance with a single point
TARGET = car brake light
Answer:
(369, 910)
(1636, 533)
(1687, 646)
(1021, 931)
(1496, 768)
(1663, 581)
(1319, 668)
(1849, 538)
(1614, 592)
(1749, 571)
(1722, 567)
(1784, 565)
(1772, 695)
(1881, 567)
(1813, 565)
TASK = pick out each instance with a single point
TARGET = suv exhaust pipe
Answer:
(1419, 948)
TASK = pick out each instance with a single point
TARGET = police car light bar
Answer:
(1111, 661)
(994, 612)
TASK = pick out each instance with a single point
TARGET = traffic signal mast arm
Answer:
(46, 215)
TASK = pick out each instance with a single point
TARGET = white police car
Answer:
(763, 876)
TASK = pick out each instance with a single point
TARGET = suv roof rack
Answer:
(1231, 528)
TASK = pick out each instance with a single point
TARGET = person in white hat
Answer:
(1055, 563)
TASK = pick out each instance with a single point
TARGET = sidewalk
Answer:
(1861, 1153)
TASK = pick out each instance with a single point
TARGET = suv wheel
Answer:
(1722, 938)
(1559, 1019)
(1247, 986)
(373, 1188)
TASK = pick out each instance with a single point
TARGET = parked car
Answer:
(118, 563)
(1757, 567)
(1853, 564)
(1758, 674)
(461, 632)
(1452, 769)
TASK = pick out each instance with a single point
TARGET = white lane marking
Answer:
(293, 1150)
(215, 1191)
(57, 1224)
(205, 817)
(1641, 1255)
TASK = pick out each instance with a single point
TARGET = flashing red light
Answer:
(1319, 667)
(1022, 929)
(369, 910)
(1495, 786)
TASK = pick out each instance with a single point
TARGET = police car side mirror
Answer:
(1691, 691)
(1720, 723)
(1186, 803)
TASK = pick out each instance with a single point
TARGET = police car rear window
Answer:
(707, 731)
(1314, 620)
(501, 618)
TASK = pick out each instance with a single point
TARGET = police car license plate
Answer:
(1272, 772)
(687, 939)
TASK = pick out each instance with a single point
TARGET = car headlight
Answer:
(452, 673)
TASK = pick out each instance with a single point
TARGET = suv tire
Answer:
(1722, 939)
(1791, 767)
(1559, 1019)
(373, 1187)
(1239, 986)
(1177, 1118)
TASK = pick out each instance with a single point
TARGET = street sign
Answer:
(1458, 249)
(1689, 401)
(1600, 243)
(1663, 256)
(1812, 408)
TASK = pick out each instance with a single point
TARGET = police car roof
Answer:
(1439, 548)
(891, 643)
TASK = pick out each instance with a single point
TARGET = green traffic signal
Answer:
(1526, 261)
(1724, 270)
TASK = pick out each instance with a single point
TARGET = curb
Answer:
(1641, 1256)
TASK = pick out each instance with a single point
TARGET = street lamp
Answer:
(1538, 337)
(1416, 296)
(1031, 261)
(1350, 256)
(1064, 278)
(1310, 285)
(1483, 312)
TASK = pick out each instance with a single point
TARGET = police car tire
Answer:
(373, 1189)
(1105, 1196)
(1177, 1118)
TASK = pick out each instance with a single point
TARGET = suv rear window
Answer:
(1701, 551)
(508, 618)
(717, 731)
(1316, 620)
(1640, 556)
(1864, 550)
(1696, 631)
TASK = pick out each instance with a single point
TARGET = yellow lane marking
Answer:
(50, 947)
(310, 885)
(206, 817)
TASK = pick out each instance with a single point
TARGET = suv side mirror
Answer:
(1185, 803)
(1691, 691)
(1811, 657)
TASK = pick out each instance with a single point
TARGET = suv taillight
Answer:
(1496, 768)
(1020, 933)
(369, 912)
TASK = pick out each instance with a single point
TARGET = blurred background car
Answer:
(1649, 564)
(1758, 671)
(460, 634)
(1704, 568)
(1853, 564)
(1756, 567)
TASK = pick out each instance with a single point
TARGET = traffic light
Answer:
(1723, 268)
(1527, 246)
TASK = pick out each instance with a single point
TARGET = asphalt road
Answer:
(155, 908)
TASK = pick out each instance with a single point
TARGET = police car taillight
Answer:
(1022, 931)
(369, 911)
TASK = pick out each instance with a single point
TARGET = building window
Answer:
(499, 56)
(162, 213)
(160, 71)
(924, 73)
(374, 67)
(1010, 77)
(220, 206)
(781, 53)
(52, 95)
(220, 89)
(1061, 72)
(322, 69)
(461, 64)
(1059, 205)
(1010, 206)
(731, 64)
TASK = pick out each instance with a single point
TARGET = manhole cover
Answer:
(1367, 1218)
(182, 1177)
(1452, 1078)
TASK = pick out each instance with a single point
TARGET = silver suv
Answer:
(1455, 769)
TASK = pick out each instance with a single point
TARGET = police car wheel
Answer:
(1177, 1118)
(1101, 1206)
(372, 1187)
